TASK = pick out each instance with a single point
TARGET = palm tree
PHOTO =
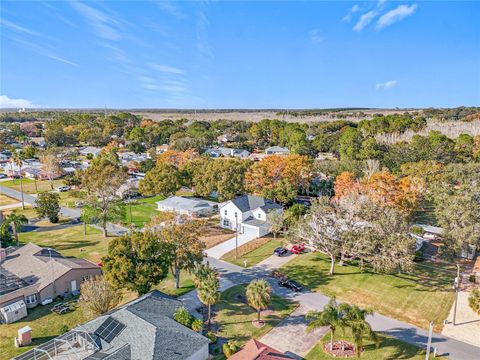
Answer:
(207, 291)
(16, 221)
(354, 318)
(330, 316)
(17, 159)
(258, 295)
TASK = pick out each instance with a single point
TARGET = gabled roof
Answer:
(183, 203)
(248, 203)
(255, 350)
(149, 330)
(276, 149)
(39, 266)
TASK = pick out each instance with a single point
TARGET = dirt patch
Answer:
(258, 324)
(340, 348)
(215, 235)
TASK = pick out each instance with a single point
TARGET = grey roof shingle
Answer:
(248, 202)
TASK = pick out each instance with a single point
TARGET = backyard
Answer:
(140, 211)
(389, 348)
(253, 252)
(45, 326)
(416, 299)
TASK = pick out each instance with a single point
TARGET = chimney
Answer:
(25, 336)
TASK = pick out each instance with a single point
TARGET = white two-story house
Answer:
(249, 213)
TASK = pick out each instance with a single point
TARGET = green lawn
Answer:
(142, 210)
(71, 241)
(45, 326)
(234, 316)
(416, 299)
(29, 185)
(253, 252)
(389, 348)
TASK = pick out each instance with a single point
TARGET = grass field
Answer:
(416, 299)
(389, 348)
(29, 185)
(142, 210)
(45, 326)
(71, 241)
(234, 317)
(253, 252)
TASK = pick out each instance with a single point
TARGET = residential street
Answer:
(232, 275)
(112, 229)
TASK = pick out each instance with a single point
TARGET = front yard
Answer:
(253, 252)
(142, 211)
(234, 316)
(416, 299)
(389, 348)
(29, 185)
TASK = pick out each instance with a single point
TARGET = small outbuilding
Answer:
(14, 312)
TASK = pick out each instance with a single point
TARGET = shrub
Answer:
(417, 230)
(230, 348)
(63, 329)
(197, 325)
(474, 300)
(183, 317)
(472, 278)
(212, 337)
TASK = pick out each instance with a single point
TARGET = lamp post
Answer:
(236, 236)
(457, 285)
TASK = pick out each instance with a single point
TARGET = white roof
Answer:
(182, 203)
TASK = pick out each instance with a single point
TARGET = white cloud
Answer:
(315, 36)
(168, 69)
(18, 28)
(386, 85)
(8, 103)
(395, 15)
(170, 8)
(42, 50)
(102, 24)
(365, 19)
(353, 10)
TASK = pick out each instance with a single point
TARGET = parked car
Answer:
(3, 176)
(290, 284)
(280, 251)
(62, 188)
(297, 249)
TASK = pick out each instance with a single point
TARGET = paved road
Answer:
(113, 229)
(231, 274)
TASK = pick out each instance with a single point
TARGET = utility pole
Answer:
(236, 236)
(457, 286)
(429, 343)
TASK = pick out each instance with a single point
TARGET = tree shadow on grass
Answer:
(75, 245)
(308, 276)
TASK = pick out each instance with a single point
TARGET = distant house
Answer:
(255, 350)
(277, 150)
(257, 156)
(249, 213)
(218, 151)
(160, 149)
(187, 206)
(142, 329)
(90, 150)
(224, 138)
(33, 274)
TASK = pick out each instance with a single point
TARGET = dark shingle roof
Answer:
(150, 331)
(249, 202)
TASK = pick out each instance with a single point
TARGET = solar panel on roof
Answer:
(109, 329)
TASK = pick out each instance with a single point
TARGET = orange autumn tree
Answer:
(279, 177)
(179, 159)
(383, 188)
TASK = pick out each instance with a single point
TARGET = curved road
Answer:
(113, 229)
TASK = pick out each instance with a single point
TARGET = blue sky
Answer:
(229, 54)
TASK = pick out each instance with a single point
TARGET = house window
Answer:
(85, 277)
(225, 212)
(31, 299)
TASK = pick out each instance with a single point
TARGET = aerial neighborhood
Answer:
(166, 239)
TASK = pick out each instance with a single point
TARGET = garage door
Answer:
(250, 232)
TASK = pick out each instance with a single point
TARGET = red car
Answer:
(297, 249)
